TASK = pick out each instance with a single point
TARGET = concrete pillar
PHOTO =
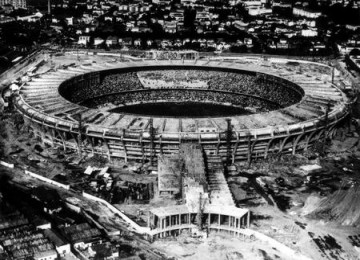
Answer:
(249, 150)
(124, 146)
(89, 139)
(107, 148)
(248, 220)
(219, 216)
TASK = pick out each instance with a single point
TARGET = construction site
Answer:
(278, 181)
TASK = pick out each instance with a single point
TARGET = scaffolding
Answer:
(152, 138)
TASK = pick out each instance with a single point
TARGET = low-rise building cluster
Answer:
(236, 26)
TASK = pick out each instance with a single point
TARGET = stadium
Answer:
(240, 108)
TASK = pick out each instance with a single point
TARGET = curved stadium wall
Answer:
(133, 140)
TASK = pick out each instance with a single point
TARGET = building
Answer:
(98, 41)
(84, 39)
(309, 33)
(26, 242)
(300, 11)
(351, 44)
(30, 18)
(111, 40)
(207, 201)
(82, 235)
(107, 251)
(15, 3)
(61, 245)
(132, 138)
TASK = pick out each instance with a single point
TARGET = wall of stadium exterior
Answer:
(137, 145)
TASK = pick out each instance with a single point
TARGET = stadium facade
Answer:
(58, 111)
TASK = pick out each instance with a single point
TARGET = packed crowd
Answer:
(186, 95)
(112, 83)
(175, 78)
(258, 85)
(174, 75)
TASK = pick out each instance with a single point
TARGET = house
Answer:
(54, 20)
(309, 33)
(30, 18)
(170, 26)
(135, 29)
(108, 18)
(111, 40)
(127, 41)
(301, 11)
(149, 42)
(45, 255)
(137, 42)
(211, 43)
(257, 11)
(248, 42)
(144, 29)
(84, 39)
(98, 41)
(82, 235)
(107, 251)
(61, 245)
(282, 44)
(31, 243)
(69, 20)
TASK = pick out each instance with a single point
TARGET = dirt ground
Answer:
(289, 226)
(216, 247)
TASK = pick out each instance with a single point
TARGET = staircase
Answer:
(218, 187)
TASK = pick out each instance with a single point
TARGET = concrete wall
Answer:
(42, 178)
(134, 225)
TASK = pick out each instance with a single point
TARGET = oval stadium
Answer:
(240, 108)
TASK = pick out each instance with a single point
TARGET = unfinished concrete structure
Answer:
(208, 202)
(175, 170)
(169, 176)
(314, 114)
